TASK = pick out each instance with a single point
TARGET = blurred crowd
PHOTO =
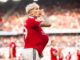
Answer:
(67, 19)
(5, 41)
(58, 17)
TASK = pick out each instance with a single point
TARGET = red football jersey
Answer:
(13, 47)
(36, 38)
(53, 52)
(61, 58)
(78, 55)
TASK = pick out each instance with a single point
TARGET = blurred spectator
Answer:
(12, 49)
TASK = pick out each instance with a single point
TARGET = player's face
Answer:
(35, 12)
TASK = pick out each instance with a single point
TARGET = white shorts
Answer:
(30, 54)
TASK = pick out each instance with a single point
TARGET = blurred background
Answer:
(62, 14)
